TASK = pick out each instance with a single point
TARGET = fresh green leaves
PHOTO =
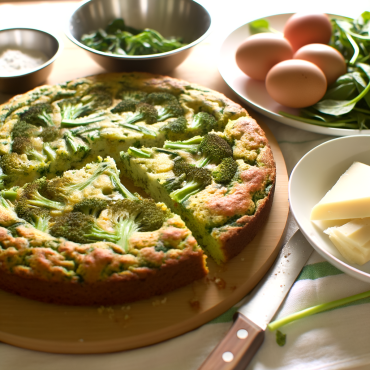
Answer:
(260, 25)
(346, 103)
(120, 39)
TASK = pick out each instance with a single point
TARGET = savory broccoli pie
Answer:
(71, 232)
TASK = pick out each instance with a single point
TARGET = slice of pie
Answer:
(84, 239)
(221, 184)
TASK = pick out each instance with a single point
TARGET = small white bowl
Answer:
(313, 176)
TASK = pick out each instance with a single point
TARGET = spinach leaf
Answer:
(120, 39)
(260, 26)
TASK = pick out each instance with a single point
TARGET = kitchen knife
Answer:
(246, 335)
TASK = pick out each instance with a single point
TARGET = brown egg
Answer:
(328, 59)
(259, 52)
(302, 29)
(296, 83)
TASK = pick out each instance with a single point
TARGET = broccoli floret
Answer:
(49, 134)
(91, 206)
(81, 130)
(31, 196)
(196, 180)
(225, 171)
(23, 145)
(10, 162)
(190, 146)
(141, 129)
(138, 153)
(175, 127)
(203, 122)
(12, 166)
(131, 215)
(214, 148)
(76, 145)
(144, 112)
(55, 189)
(10, 194)
(80, 228)
(24, 129)
(170, 110)
(160, 98)
(114, 177)
(174, 183)
(127, 215)
(126, 105)
(39, 217)
(170, 105)
(11, 216)
(59, 187)
(50, 153)
(39, 115)
(76, 112)
(137, 96)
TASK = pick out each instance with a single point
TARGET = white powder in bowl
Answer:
(14, 62)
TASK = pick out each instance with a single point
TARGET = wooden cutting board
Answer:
(67, 329)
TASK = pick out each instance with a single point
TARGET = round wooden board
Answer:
(68, 329)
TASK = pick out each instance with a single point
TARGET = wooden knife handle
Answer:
(238, 347)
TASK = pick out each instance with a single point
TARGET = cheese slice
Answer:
(348, 198)
(352, 240)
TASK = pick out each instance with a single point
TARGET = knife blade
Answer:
(246, 335)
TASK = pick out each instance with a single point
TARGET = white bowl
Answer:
(254, 92)
(313, 176)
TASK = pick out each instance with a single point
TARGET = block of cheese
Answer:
(352, 240)
(348, 198)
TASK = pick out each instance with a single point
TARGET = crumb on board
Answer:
(102, 309)
(112, 314)
(220, 283)
(159, 301)
(194, 304)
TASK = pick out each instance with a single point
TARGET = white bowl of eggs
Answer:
(297, 65)
(282, 63)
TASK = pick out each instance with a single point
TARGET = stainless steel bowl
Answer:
(28, 39)
(171, 18)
